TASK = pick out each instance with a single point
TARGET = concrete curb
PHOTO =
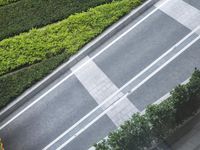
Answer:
(28, 94)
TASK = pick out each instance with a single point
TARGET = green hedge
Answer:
(68, 35)
(159, 121)
(27, 14)
(14, 84)
(6, 2)
(61, 39)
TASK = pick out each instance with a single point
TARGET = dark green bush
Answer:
(6, 2)
(159, 121)
(134, 134)
(12, 85)
(162, 119)
(27, 14)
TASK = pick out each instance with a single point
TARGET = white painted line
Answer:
(132, 90)
(67, 77)
(92, 122)
(120, 89)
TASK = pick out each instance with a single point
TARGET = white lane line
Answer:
(132, 90)
(67, 77)
(120, 89)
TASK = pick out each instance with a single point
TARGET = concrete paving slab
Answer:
(182, 12)
(101, 88)
(189, 140)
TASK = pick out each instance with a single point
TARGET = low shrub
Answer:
(58, 41)
(159, 121)
(12, 85)
(6, 2)
(27, 14)
(68, 35)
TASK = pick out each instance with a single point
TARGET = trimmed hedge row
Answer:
(14, 84)
(64, 38)
(27, 14)
(68, 35)
(6, 2)
(159, 121)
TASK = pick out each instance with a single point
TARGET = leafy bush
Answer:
(48, 47)
(68, 35)
(159, 121)
(27, 14)
(12, 85)
(6, 2)
(134, 134)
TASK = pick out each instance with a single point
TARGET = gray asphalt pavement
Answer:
(67, 104)
(194, 3)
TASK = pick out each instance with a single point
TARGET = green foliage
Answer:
(27, 14)
(159, 121)
(161, 118)
(6, 2)
(12, 85)
(42, 50)
(134, 134)
(68, 35)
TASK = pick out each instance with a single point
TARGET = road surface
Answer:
(135, 68)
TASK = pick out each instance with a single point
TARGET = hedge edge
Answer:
(88, 48)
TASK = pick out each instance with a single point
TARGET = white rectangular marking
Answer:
(101, 87)
(183, 12)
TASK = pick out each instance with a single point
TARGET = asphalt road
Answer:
(68, 103)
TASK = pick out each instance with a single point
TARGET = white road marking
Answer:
(183, 12)
(120, 89)
(132, 90)
(67, 77)
(100, 87)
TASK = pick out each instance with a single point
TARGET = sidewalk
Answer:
(191, 139)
